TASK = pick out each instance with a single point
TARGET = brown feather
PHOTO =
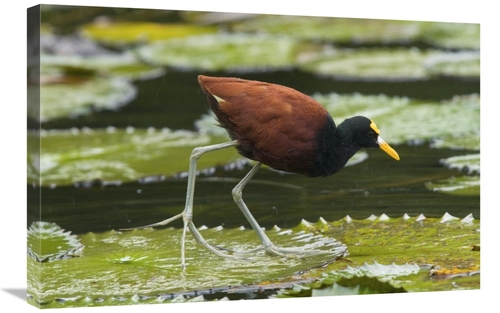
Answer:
(274, 124)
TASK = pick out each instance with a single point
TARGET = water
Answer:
(378, 185)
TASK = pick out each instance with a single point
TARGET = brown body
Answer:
(273, 124)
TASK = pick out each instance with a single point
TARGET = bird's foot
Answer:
(294, 252)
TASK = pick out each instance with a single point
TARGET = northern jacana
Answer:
(282, 128)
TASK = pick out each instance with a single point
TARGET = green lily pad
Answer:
(48, 242)
(126, 65)
(469, 141)
(469, 163)
(382, 272)
(223, 52)
(413, 247)
(465, 185)
(365, 31)
(143, 265)
(391, 64)
(367, 279)
(69, 156)
(447, 241)
(459, 64)
(139, 32)
(451, 35)
(332, 29)
(80, 98)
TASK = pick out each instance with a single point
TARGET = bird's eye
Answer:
(371, 134)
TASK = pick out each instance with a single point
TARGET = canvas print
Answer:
(181, 156)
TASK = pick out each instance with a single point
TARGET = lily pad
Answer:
(80, 98)
(69, 156)
(359, 31)
(367, 279)
(392, 64)
(126, 33)
(48, 242)
(382, 272)
(469, 163)
(446, 242)
(451, 35)
(143, 266)
(365, 31)
(413, 248)
(61, 68)
(458, 64)
(465, 185)
(236, 52)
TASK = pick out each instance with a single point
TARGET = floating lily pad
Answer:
(80, 98)
(451, 35)
(469, 163)
(426, 121)
(49, 242)
(140, 32)
(143, 265)
(332, 29)
(342, 106)
(367, 279)
(411, 246)
(365, 31)
(382, 272)
(126, 65)
(446, 242)
(391, 64)
(458, 64)
(224, 52)
(69, 156)
(465, 185)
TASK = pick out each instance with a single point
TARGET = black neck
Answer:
(334, 148)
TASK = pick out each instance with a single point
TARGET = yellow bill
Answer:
(387, 149)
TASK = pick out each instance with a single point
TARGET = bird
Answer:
(282, 128)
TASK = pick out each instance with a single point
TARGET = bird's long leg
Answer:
(264, 239)
(187, 214)
(238, 199)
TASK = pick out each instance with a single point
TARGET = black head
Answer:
(365, 134)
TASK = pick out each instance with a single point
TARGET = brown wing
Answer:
(274, 124)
